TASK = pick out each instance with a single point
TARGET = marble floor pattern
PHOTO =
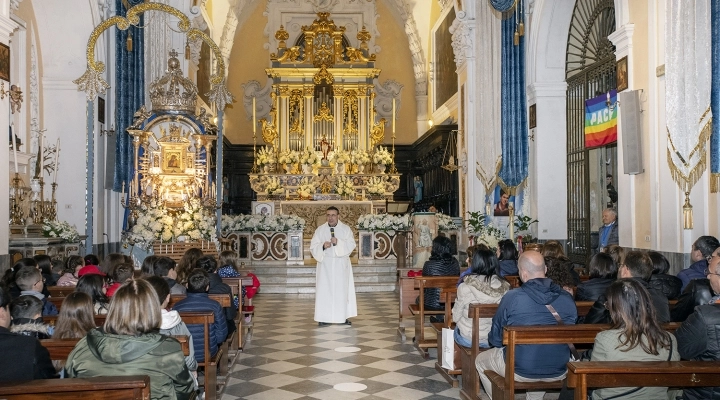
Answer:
(290, 357)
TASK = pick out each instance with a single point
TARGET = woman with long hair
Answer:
(148, 266)
(483, 285)
(44, 263)
(660, 280)
(94, 286)
(70, 277)
(129, 344)
(603, 272)
(634, 335)
(187, 264)
(440, 263)
(507, 254)
(76, 317)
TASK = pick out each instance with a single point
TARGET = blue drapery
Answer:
(502, 5)
(129, 93)
(514, 136)
(715, 96)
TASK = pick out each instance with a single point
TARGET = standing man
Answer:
(609, 230)
(331, 246)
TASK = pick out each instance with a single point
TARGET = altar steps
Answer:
(301, 278)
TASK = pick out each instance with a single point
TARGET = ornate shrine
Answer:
(323, 138)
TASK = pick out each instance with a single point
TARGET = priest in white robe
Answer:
(331, 246)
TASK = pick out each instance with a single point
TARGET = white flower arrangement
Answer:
(265, 156)
(306, 188)
(340, 157)
(383, 222)
(60, 229)
(155, 224)
(344, 186)
(255, 223)
(288, 157)
(273, 185)
(382, 156)
(481, 226)
(376, 185)
(360, 157)
(445, 222)
(309, 157)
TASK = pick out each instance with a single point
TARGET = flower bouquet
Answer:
(309, 159)
(376, 186)
(288, 157)
(306, 188)
(445, 223)
(273, 186)
(60, 229)
(382, 156)
(360, 158)
(255, 223)
(344, 186)
(340, 157)
(383, 222)
(265, 158)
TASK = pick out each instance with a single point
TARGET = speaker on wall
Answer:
(630, 132)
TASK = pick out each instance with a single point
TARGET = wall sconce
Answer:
(610, 104)
(430, 123)
(108, 132)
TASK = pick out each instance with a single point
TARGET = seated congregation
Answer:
(166, 321)
(624, 312)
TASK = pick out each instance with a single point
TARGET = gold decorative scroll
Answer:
(297, 109)
(350, 111)
(323, 114)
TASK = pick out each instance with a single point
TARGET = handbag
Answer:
(448, 348)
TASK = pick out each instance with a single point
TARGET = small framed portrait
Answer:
(532, 116)
(4, 62)
(101, 110)
(263, 208)
(622, 74)
(173, 161)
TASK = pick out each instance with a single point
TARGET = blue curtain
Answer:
(502, 5)
(514, 136)
(129, 93)
(715, 96)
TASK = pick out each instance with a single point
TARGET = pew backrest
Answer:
(224, 299)
(135, 387)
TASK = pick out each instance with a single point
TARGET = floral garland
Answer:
(306, 188)
(60, 229)
(360, 157)
(340, 157)
(156, 224)
(288, 157)
(382, 156)
(383, 222)
(376, 185)
(273, 185)
(265, 156)
(256, 223)
(309, 157)
(445, 222)
(344, 186)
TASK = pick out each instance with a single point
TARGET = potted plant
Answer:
(265, 159)
(360, 158)
(308, 159)
(382, 158)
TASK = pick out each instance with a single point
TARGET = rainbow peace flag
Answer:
(600, 120)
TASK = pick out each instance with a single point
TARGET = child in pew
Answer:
(45, 266)
(75, 320)
(129, 344)
(635, 335)
(121, 274)
(27, 319)
(94, 286)
(30, 282)
(172, 324)
(209, 264)
(58, 267)
(166, 268)
(197, 300)
(70, 276)
(229, 269)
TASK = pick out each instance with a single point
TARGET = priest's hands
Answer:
(333, 241)
(327, 245)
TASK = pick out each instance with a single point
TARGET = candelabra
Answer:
(17, 214)
(38, 207)
(51, 206)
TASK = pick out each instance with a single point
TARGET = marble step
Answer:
(305, 269)
(310, 278)
(360, 287)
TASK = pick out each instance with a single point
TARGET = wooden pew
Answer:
(248, 310)
(102, 387)
(422, 344)
(52, 319)
(605, 374)
(60, 349)
(211, 363)
(60, 291)
(504, 388)
(177, 250)
(515, 281)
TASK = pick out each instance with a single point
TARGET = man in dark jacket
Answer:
(699, 339)
(23, 358)
(209, 264)
(526, 305)
(701, 251)
(197, 300)
(164, 267)
(637, 265)
(699, 291)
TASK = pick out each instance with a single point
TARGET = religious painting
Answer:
(4, 62)
(425, 228)
(101, 110)
(622, 74)
(173, 159)
(262, 208)
(532, 116)
(501, 203)
(446, 79)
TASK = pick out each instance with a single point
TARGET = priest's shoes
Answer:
(347, 322)
(324, 324)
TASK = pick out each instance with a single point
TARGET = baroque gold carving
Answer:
(282, 36)
(323, 114)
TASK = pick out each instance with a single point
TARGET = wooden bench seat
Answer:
(236, 285)
(606, 374)
(211, 363)
(60, 291)
(60, 349)
(421, 342)
(102, 387)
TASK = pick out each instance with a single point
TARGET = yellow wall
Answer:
(249, 59)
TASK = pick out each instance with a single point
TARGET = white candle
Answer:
(40, 155)
(12, 129)
(57, 155)
(254, 123)
(393, 117)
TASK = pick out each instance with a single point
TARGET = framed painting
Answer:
(622, 74)
(4, 62)
(101, 110)
(173, 160)
(264, 208)
(532, 116)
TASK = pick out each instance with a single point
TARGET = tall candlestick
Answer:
(39, 160)
(254, 120)
(57, 155)
(393, 117)
(12, 130)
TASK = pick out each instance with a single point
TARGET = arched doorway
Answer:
(590, 71)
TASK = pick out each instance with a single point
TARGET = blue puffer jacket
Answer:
(526, 306)
(218, 330)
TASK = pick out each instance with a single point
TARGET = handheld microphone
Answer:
(332, 233)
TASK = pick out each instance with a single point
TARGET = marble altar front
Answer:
(313, 212)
